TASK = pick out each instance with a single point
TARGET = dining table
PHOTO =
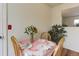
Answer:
(40, 47)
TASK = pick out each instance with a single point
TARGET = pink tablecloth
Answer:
(40, 47)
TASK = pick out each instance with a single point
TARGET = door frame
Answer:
(5, 30)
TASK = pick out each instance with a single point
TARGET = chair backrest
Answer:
(45, 35)
(16, 46)
(59, 48)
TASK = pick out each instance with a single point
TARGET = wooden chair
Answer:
(59, 48)
(45, 35)
(17, 48)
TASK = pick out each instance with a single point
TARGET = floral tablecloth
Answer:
(40, 47)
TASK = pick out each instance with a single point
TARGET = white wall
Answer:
(22, 15)
(72, 39)
(69, 21)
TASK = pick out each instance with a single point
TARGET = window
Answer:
(76, 22)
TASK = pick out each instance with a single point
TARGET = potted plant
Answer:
(31, 30)
(57, 32)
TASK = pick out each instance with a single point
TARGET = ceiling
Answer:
(71, 12)
(53, 4)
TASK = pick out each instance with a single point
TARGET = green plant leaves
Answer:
(31, 30)
(57, 32)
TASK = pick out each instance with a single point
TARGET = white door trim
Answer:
(5, 30)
